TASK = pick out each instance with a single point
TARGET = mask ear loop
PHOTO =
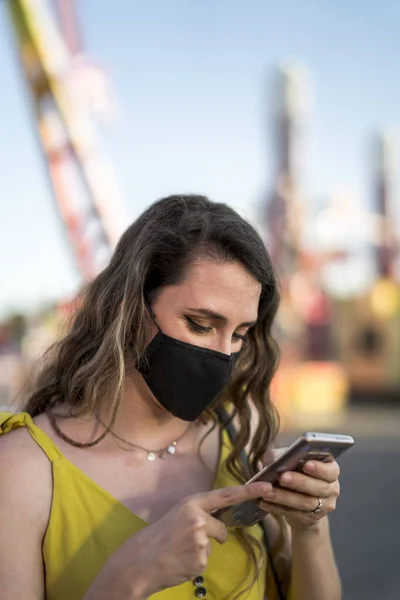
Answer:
(152, 317)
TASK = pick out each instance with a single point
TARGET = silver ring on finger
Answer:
(317, 509)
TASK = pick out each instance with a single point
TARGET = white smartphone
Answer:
(310, 446)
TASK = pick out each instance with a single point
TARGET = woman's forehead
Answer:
(224, 288)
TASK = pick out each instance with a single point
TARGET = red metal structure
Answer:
(60, 82)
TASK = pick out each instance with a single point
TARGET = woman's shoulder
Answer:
(21, 432)
(15, 440)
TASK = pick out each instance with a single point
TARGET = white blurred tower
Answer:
(284, 214)
(383, 191)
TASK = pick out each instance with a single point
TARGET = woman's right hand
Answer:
(175, 549)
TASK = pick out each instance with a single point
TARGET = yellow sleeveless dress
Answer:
(87, 525)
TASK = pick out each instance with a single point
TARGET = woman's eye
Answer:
(196, 328)
(237, 337)
(202, 329)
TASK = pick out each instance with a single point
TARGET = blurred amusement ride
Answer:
(339, 331)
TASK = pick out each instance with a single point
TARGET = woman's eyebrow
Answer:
(205, 312)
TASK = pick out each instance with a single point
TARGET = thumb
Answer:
(271, 454)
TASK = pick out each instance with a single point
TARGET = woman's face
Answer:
(214, 307)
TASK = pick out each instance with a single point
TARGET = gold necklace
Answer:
(151, 454)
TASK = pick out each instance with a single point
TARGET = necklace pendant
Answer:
(171, 448)
(151, 456)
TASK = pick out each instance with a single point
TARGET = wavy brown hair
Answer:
(108, 332)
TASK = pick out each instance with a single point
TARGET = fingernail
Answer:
(310, 466)
(267, 487)
(286, 478)
(270, 494)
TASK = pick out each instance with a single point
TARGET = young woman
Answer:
(109, 478)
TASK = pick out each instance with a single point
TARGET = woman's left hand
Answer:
(300, 493)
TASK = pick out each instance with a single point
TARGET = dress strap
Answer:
(10, 421)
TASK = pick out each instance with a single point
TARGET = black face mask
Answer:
(184, 378)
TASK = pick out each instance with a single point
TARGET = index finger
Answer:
(224, 497)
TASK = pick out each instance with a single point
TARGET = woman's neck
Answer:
(141, 420)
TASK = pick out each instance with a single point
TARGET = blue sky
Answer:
(192, 80)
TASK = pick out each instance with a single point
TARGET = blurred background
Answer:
(289, 112)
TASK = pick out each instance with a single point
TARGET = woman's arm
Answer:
(314, 575)
(25, 499)
(313, 572)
